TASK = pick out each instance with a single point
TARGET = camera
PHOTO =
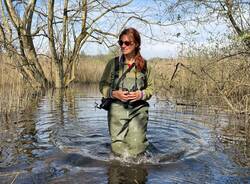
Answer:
(133, 89)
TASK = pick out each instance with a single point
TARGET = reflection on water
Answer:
(64, 138)
(127, 174)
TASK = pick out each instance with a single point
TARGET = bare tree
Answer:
(235, 13)
(63, 28)
(27, 61)
(229, 60)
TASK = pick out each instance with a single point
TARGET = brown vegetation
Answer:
(14, 93)
(90, 68)
(208, 81)
(196, 80)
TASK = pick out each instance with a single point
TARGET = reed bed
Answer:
(205, 81)
(193, 80)
(197, 80)
(14, 93)
(89, 69)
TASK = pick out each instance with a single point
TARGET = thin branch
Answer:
(16, 175)
(13, 15)
(109, 10)
(229, 5)
(226, 57)
(105, 33)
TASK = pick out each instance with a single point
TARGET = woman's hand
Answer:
(134, 96)
(120, 95)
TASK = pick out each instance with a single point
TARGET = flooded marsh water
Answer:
(65, 139)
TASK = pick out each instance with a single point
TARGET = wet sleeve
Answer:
(149, 90)
(105, 82)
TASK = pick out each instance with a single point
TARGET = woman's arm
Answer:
(149, 90)
(106, 81)
(146, 93)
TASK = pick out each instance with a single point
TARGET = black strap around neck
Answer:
(123, 76)
(116, 72)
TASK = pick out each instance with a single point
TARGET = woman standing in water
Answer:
(128, 113)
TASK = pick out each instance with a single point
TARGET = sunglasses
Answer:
(127, 43)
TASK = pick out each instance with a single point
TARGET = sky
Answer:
(169, 44)
(173, 45)
(148, 50)
(169, 40)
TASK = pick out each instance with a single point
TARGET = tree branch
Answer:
(65, 28)
(28, 15)
(51, 30)
(13, 15)
(109, 10)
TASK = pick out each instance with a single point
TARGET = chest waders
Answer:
(128, 121)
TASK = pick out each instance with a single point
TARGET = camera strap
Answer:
(116, 72)
(123, 76)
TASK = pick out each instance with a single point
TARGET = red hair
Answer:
(135, 36)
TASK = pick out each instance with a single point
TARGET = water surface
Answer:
(63, 138)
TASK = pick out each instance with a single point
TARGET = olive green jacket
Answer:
(105, 84)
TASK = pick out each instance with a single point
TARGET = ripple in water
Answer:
(171, 139)
(66, 139)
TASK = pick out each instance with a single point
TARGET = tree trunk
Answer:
(28, 53)
(59, 76)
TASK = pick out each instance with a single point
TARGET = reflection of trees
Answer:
(17, 134)
(63, 104)
(57, 105)
(127, 174)
(236, 138)
(70, 99)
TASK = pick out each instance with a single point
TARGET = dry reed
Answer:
(205, 81)
(14, 94)
(196, 79)
(89, 69)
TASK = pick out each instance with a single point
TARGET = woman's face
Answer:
(127, 45)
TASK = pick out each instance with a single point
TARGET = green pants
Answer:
(127, 128)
